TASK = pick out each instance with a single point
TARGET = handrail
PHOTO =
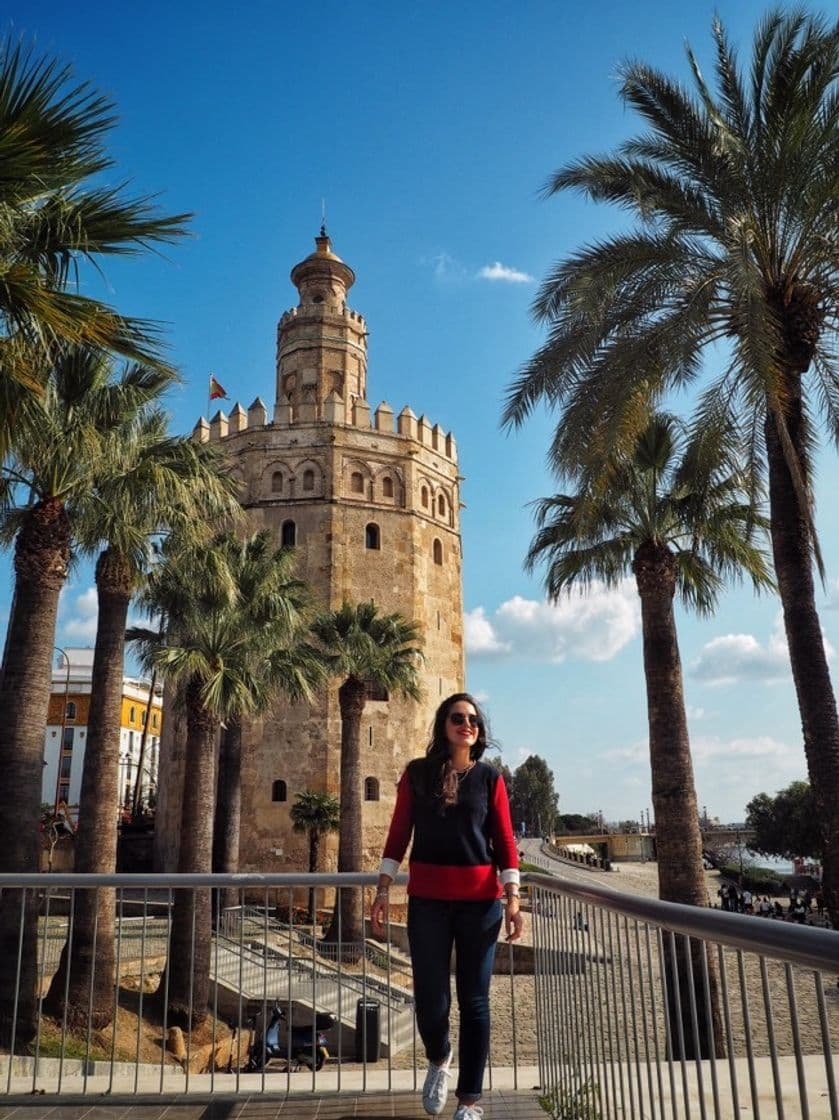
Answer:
(802, 945)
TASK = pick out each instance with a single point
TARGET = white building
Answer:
(66, 734)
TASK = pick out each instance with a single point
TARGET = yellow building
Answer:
(66, 733)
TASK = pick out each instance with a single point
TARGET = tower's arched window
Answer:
(288, 534)
(441, 505)
(279, 790)
(277, 482)
(437, 551)
(371, 789)
(357, 482)
(424, 496)
(71, 710)
(387, 487)
(308, 480)
(372, 536)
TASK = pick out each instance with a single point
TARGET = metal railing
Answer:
(622, 1007)
(650, 1009)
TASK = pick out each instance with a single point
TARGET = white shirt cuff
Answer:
(511, 875)
(390, 867)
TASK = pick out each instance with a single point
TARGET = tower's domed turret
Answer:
(321, 343)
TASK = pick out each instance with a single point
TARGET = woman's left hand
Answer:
(513, 919)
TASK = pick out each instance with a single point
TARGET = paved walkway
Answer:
(501, 1104)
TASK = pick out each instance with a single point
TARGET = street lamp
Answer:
(63, 728)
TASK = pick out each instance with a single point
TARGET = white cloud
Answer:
(732, 658)
(77, 622)
(503, 272)
(591, 625)
(694, 714)
(445, 267)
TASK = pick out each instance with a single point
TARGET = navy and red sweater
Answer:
(457, 854)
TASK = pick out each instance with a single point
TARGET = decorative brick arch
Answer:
(276, 481)
(357, 467)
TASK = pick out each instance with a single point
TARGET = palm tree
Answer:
(56, 215)
(363, 648)
(155, 483)
(315, 813)
(734, 191)
(676, 513)
(56, 461)
(216, 651)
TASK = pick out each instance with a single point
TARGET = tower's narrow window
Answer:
(288, 534)
(357, 482)
(308, 480)
(441, 505)
(279, 790)
(372, 537)
(277, 482)
(387, 487)
(437, 550)
(424, 496)
(371, 789)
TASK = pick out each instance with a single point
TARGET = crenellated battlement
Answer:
(405, 424)
(315, 310)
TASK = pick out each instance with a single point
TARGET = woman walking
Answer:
(457, 809)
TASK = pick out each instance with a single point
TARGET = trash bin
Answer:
(368, 1043)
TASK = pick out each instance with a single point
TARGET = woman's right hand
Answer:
(379, 915)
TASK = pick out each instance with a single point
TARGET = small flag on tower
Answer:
(217, 390)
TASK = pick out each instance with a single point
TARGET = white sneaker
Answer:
(435, 1090)
(468, 1112)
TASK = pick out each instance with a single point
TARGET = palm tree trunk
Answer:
(190, 942)
(792, 554)
(228, 816)
(681, 875)
(314, 856)
(352, 696)
(171, 766)
(92, 967)
(42, 555)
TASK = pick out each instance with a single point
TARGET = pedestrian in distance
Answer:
(463, 862)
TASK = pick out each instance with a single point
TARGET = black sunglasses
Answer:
(458, 719)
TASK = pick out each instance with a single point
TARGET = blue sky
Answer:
(429, 130)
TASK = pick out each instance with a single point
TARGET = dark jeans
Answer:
(435, 926)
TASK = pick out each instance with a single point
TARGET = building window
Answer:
(277, 482)
(132, 714)
(376, 691)
(288, 534)
(372, 537)
(387, 487)
(441, 505)
(154, 719)
(357, 482)
(279, 790)
(437, 549)
(371, 789)
(308, 480)
(66, 763)
(64, 792)
(424, 496)
(67, 744)
(70, 711)
(142, 717)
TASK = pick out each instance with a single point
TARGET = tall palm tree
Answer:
(315, 814)
(57, 214)
(362, 648)
(56, 461)
(733, 190)
(676, 513)
(215, 651)
(155, 483)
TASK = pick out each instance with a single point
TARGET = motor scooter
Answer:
(296, 1045)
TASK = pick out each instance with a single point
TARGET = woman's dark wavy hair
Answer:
(436, 777)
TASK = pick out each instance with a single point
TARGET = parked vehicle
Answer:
(302, 1045)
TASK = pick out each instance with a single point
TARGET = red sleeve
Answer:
(503, 841)
(402, 822)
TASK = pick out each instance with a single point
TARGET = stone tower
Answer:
(371, 504)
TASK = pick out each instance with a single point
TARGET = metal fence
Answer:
(649, 1009)
(620, 1007)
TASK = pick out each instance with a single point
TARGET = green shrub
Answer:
(575, 1104)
